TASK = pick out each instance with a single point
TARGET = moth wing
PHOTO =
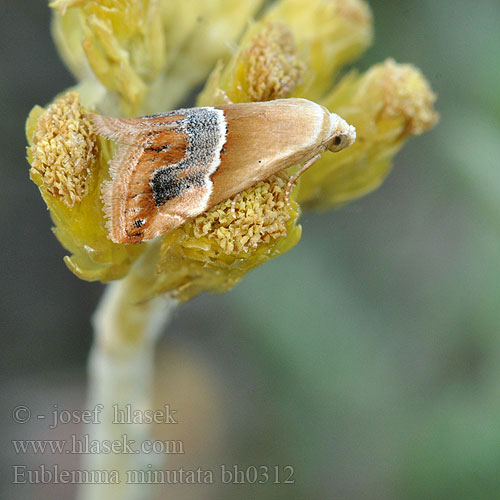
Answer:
(266, 137)
(131, 130)
(152, 187)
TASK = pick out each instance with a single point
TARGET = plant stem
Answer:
(121, 371)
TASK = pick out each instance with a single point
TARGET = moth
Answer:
(173, 166)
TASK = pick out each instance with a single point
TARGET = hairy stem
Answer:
(121, 371)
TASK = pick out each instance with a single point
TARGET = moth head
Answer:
(342, 136)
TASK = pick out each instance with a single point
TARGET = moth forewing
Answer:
(264, 138)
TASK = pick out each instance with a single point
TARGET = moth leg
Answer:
(293, 179)
(224, 96)
(233, 204)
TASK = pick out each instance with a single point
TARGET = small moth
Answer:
(171, 167)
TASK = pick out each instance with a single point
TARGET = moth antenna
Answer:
(293, 179)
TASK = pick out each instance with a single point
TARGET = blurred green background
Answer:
(368, 357)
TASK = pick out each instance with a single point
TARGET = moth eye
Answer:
(338, 143)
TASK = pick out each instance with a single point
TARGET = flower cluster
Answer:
(140, 57)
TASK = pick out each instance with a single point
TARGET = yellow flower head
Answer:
(68, 164)
(123, 43)
(147, 54)
(272, 67)
(328, 35)
(143, 57)
(387, 105)
(266, 67)
(64, 150)
(215, 250)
